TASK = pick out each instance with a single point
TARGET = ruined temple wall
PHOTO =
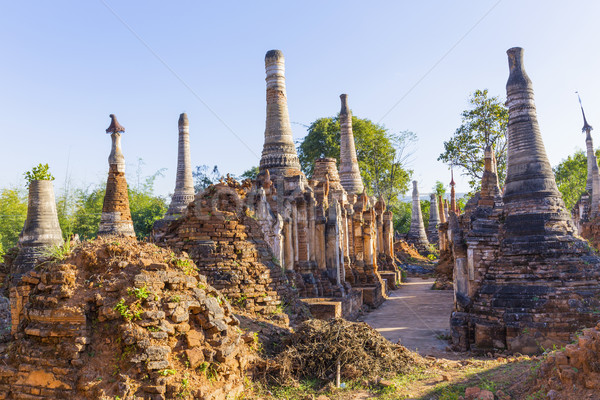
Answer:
(229, 247)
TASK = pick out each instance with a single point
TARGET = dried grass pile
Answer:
(316, 347)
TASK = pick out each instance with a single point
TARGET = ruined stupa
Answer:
(587, 207)
(184, 183)
(328, 242)
(116, 215)
(523, 280)
(279, 152)
(416, 235)
(41, 228)
(349, 171)
(434, 220)
(453, 206)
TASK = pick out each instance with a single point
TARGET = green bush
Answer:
(39, 173)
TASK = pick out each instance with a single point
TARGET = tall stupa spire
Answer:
(349, 172)
(279, 152)
(453, 207)
(416, 234)
(589, 144)
(533, 204)
(116, 215)
(184, 185)
(593, 178)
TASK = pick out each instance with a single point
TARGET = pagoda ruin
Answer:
(523, 280)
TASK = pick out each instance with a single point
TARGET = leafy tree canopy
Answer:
(382, 156)
(204, 176)
(571, 177)
(484, 124)
(251, 173)
(439, 189)
(13, 212)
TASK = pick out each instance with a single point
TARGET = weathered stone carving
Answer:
(116, 215)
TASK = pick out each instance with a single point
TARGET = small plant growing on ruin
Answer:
(140, 293)
(167, 372)
(184, 387)
(175, 299)
(241, 300)
(39, 173)
(122, 309)
(186, 265)
(153, 329)
(275, 261)
(133, 311)
(201, 286)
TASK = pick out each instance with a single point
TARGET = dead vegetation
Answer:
(316, 348)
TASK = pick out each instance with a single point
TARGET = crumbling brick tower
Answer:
(116, 216)
(539, 283)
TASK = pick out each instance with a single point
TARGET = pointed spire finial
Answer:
(452, 183)
(114, 125)
(586, 127)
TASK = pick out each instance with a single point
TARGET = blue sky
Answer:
(68, 64)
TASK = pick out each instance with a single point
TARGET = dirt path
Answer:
(416, 315)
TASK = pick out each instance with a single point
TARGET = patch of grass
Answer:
(58, 252)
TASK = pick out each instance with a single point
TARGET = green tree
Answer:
(13, 212)
(382, 156)
(439, 189)
(484, 124)
(571, 177)
(145, 207)
(402, 212)
(204, 176)
(251, 173)
(88, 209)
